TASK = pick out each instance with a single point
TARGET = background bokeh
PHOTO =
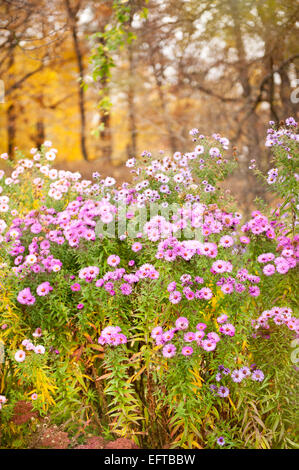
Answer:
(226, 66)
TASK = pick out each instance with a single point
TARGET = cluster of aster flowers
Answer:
(184, 341)
(272, 175)
(237, 376)
(281, 264)
(276, 136)
(20, 355)
(89, 273)
(185, 283)
(123, 282)
(25, 296)
(259, 224)
(174, 174)
(280, 316)
(112, 335)
(38, 258)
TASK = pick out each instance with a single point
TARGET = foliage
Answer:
(179, 330)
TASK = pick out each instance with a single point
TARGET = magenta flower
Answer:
(254, 291)
(157, 331)
(169, 350)
(189, 337)
(269, 269)
(222, 318)
(113, 260)
(136, 246)
(182, 323)
(76, 287)
(208, 344)
(175, 297)
(227, 329)
(227, 288)
(44, 289)
(126, 289)
(25, 297)
(187, 351)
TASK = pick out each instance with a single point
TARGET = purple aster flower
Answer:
(223, 391)
(257, 375)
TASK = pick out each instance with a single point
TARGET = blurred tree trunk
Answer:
(11, 130)
(72, 13)
(165, 114)
(39, 136)
(132, 148)
(40, 132)
(11, 116)
(106, 145)
(250, 131)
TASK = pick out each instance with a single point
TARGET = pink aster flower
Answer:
(219, 266)
(37, 333)
(236, 376)
(44, 289)
(187, 351)
(213, 336)
(3, 400)
(113, 260)
(226, 241)
(222, 318)
(227, 329)
(204, 293)
(282, 268)
(20, 355)
(198, 336)
(157, 331)
(126, 289)
(208, 344)
(76, 287)
(169, 350)
(171, 286)
(25, 297)
(227, 288)
(168, 335)
(175, 297)
(136, 246)
(245, 371)
(189, 337)
(182, 323)
(269, 269)
(39, 349)
(254, 291)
